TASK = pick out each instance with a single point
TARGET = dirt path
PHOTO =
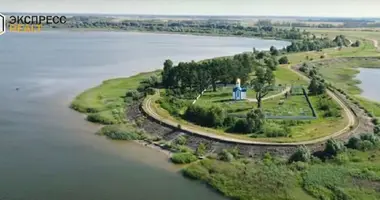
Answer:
(375, 43)
(287, 89)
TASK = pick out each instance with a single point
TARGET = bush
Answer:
(229, 121)
(201, 149)
(120, 132)
(210, 117)
(353, 143)
(134, 94)
(101, 118)
(376, 130)
(181, 140)
(241, 126)
(302, 154)
(183, 158)
(275, 130)
(375, 121)
(225, 155)
(366, 145)
(197, 172)
(283, 60)
(333, 147)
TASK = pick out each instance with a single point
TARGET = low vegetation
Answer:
(342, 171)
(121, 132)
(183, 158)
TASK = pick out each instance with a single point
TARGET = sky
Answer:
(326, 8)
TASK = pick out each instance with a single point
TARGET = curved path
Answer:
(287, 89)
(147, 108)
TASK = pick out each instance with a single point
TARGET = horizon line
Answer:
(194, 15)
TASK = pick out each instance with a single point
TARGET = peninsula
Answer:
(288, 120)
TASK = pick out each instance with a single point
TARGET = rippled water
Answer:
(370, 83)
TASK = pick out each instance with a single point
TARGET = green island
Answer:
(295, 96)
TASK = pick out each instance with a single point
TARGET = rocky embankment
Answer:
(155, 128)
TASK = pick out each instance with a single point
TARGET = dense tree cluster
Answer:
(341, 41)
(197, 76)
(316, 87)
(316, 44)
(211, 26)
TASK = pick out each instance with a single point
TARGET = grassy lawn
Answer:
(286, 77)
(105, 103)
(295, 105)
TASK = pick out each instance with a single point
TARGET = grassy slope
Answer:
(105, 103)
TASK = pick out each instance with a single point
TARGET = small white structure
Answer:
(239, 93)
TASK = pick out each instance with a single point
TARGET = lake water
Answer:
(48, 151)
(370, 83)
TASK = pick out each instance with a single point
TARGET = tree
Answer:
(271, 63)
(262, 83)
(283, 60)
(260, 55)
(167, 75)
(356, 44)
(255, 120)
(333, 147)
(302, 154)
(274, 51)
(316, 87)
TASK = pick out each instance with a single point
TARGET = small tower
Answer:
(238, 93)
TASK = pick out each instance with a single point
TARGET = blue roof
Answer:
(240, 89)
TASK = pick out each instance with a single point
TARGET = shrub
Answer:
(225, 155)
(333, 147)
(370, 137)
(120, 132)
(201, 149)
(366, 145)
(210, 117)
(241, 126)
(341, 158)
(302, 154)
(353, 143)
(376, 130)
(134, 94)
(275, 130)
(183, 158)
(229, 121)
(181, 140)
(375, 121)
(197, 172)
(101, 118)
(283, 60)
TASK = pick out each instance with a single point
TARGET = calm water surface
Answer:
(370, 83)
(48, 151)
